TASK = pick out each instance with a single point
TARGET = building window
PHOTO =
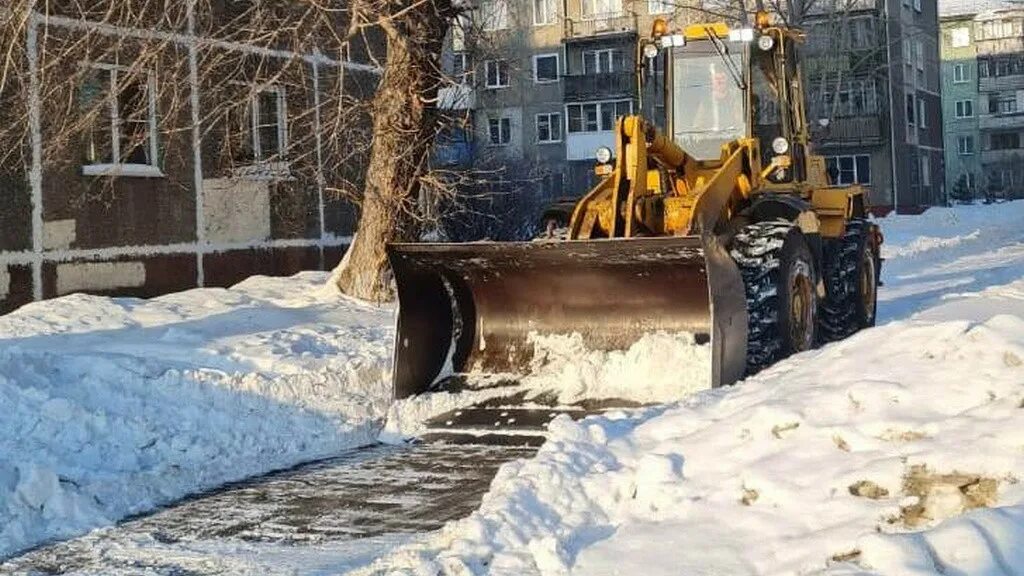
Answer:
(917, 5)
(603, 61)
(926, 171)
(597, 116)
(123, 105)
(982, 68)
(544, 12)
(462, 70)
(965, 145)
(596, 9)
(545, 68)
(497, 73)
(1004, 141)
(660, 6)
(922, 115)
(499, 131)
(960, 37)
(494, 14)
(911, 110)
(961, 74)
(994, 29)
(549, 128)
(850, 169)
(269, 122)
(965, 109)
(1002, 103)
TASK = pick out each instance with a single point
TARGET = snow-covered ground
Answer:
(897, 451)
(864, 457)
(113, 406)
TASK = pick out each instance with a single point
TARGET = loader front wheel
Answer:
(779, 276)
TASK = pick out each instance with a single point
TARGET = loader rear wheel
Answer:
(851, 284)
(779, 276)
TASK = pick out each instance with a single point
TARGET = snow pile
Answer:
(114, 406)
(659, 367)
(897, 451)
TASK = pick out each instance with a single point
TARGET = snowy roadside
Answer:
(115, 406)
(897, 451)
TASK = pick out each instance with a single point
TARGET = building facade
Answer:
(168, 151)
(960, 110)
(872, 97)
(983, 91)
(873, 89)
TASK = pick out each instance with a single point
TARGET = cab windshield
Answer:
(708, 99)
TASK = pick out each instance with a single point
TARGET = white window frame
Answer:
(116, 167)
(494, 15)
(961, 148)
(599, 104)
(554, 120)
(610, 9)
(610, 52)
(660, 6)
(917, 6)
(550, 16)
(282, 122)
(507, 136)
(961, 107)
(856, 175)
(487, 74)
(922, 113)
(558, 67)
(960, 74)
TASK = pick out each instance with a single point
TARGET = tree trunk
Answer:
(403, 130)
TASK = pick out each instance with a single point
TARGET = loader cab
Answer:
(723, 85)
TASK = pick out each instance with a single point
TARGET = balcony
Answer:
(852, 130)
(1002, 157)
(600, 25)
(1001, 121)
(603, 86)
(1001, 83)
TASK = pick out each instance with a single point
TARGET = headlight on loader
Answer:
(780, 145)
(603, 155)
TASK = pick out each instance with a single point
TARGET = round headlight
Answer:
(765, 42)
(650, 50)
(603, 155)
(780, 145)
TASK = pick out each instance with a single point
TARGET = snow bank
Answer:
(114, 406)
(966, 249)
(897, 451)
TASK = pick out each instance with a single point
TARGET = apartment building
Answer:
(155, 149)
(873, 95)
(960, 112)
(983, 88)
(873, 88)
(543, 82)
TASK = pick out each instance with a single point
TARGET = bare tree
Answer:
(405, 121)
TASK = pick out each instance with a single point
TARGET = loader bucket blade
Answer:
(470, 308)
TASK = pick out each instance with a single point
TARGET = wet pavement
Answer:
(322, 517)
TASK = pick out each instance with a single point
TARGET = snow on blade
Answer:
(659, 367)
(114, 406)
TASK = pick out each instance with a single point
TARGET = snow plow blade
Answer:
(469, 309)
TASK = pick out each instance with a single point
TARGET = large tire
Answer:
(851, 284)
(780, 277)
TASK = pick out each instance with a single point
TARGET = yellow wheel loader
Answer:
(722, 224)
